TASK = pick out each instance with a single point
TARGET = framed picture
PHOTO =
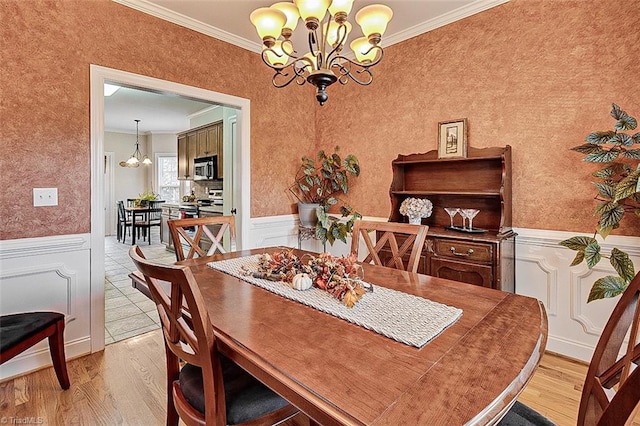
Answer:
(452, 138)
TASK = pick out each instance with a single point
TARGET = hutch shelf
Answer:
(482, 180)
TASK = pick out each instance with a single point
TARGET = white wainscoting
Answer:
(543, 271)
(48, 273)
(53, 273)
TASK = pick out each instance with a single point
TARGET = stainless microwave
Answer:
(205, 168)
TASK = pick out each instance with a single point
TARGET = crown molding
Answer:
(193, 24)
(442, 20)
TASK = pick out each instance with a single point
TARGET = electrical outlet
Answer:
(45, 197)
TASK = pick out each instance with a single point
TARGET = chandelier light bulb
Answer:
(363, 49)
(146, 161)
(340, 8)
(269, 23)
(373, 20)
(312, 9)
(291, 12)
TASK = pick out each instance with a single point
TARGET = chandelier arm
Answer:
(290, 53)
(315, 52)
(346, 71)
(335, 59)
(341, 39)
(282, 79)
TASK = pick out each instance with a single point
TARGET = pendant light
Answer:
(134, 160)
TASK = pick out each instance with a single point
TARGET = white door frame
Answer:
(100, 75)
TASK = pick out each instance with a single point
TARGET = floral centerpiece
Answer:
(416, 209)
(338, 276)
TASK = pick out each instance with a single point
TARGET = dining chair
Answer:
(19, 332)
(124, 222)
(210, 388)
(151, 218)
(606, 370)
(389, 250)
(190, 232)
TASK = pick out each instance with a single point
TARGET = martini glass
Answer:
(452, 211)
(470, 214)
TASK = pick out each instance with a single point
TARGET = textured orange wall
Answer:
(47, 47)
(536, 75)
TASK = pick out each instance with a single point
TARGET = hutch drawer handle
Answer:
(467, 254)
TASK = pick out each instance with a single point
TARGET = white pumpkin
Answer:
(301, 282)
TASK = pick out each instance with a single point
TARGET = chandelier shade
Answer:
(323, 62)
(137, 157)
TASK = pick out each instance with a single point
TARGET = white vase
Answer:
(415, 220)
(307, 214)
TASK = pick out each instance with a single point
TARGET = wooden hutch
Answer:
(481, 181)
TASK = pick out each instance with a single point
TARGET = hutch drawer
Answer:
(464, 250)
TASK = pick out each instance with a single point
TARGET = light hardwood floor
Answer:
(125, 385)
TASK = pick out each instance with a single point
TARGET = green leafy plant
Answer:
(618, 193)
(322, 181)
(148, 196)
(144, 198)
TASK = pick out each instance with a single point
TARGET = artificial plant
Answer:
(618, 193)
(322, 181)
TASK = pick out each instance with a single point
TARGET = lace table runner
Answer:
(403, 317)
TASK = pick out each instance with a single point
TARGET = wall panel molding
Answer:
(551, 282)
(40, 272)
(48, 273)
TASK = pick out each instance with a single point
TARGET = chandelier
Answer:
(134, 160)
(328, 28)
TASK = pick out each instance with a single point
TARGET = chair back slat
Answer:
(190, 231)
(412, 243)
(607, 369)
(189, 338)
(624, 404)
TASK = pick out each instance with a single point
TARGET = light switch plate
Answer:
(45, 197)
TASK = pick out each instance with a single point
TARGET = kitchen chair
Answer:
(191, 232)
(412, 241)
(210, 388)
(151, 218)
(124, 222)
(605, 371)
(19, 332)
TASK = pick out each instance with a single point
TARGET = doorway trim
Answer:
(98, 76)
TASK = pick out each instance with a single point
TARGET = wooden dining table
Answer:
(339, 373)
(140, 212)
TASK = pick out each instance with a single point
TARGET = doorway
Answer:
(241, 174)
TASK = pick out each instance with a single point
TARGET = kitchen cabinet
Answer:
(186, 154)
(169, 212)
(481, 181)
(202, 141)
(215, 144)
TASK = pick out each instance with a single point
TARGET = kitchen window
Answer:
(167, 178)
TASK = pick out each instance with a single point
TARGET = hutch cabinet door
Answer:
(460, 271)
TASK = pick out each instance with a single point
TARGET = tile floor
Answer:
(128, 312)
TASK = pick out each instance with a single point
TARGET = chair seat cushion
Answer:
(15, 328)
(246, 397)
(522, 415)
